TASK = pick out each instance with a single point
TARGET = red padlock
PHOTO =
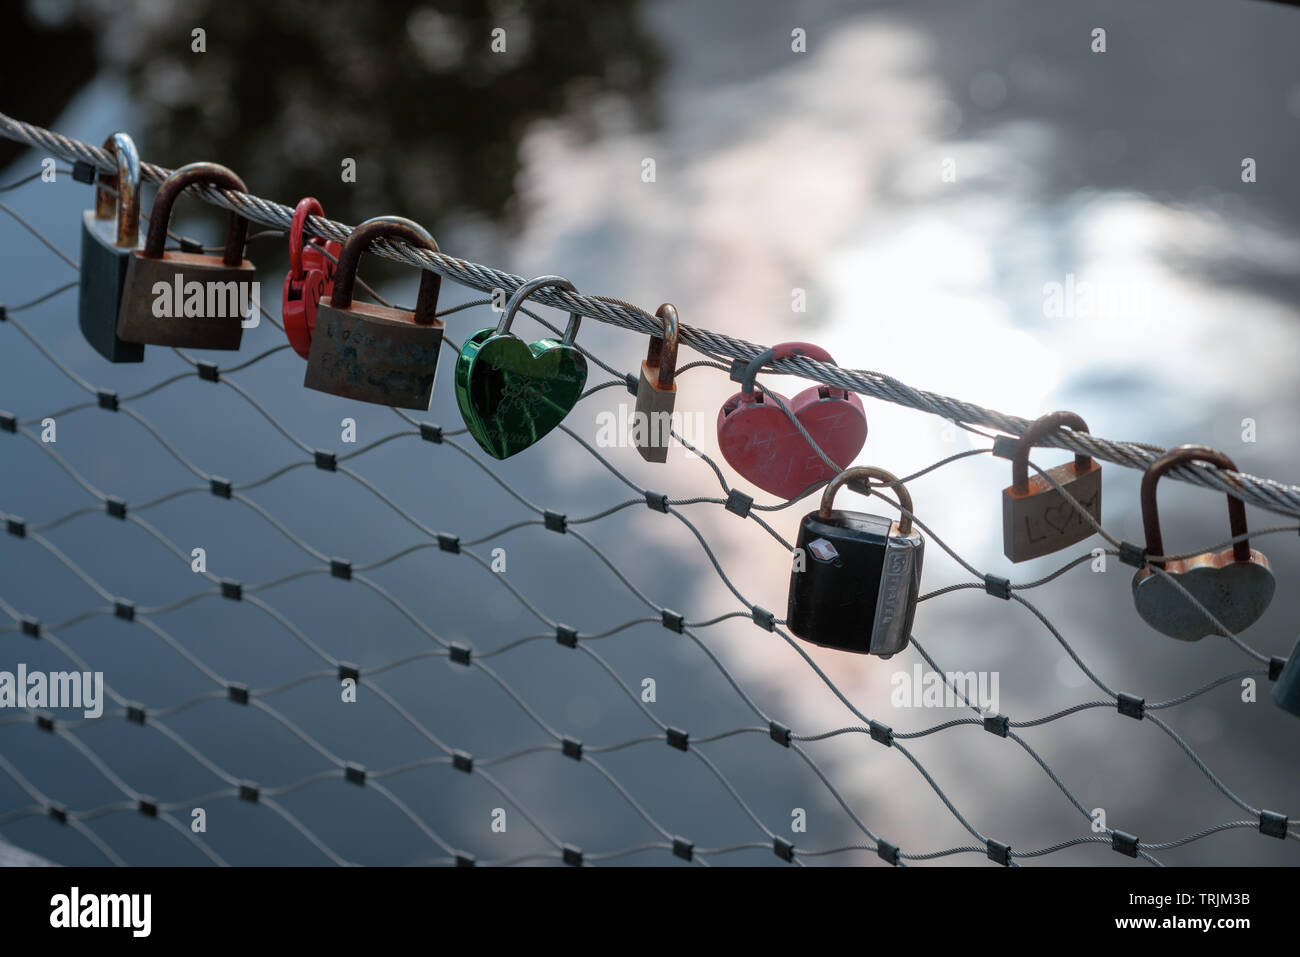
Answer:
(760, 442)
(310, 277)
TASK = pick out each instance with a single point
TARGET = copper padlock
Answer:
(374, 353)
(1235, 585)
(656, 392)
(191, 300)
(1036, 518)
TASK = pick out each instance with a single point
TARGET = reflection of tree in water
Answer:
(414, 94)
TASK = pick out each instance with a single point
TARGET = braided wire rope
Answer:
(1263, 492)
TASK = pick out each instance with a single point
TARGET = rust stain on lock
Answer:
(374, 354)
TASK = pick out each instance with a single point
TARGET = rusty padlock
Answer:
(1235, 584)
(191, 300)
(856, 577)
(656, 392)
(374, 353)
(109, 233)
(1036, 518)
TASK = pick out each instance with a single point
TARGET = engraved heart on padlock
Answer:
(512, 393)
(1235, 592)
(1060, 517)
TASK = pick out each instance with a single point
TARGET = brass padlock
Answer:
(190, 300)
(109, 233)
(1235, 584)
(374, 353)
(856, 577)
(1036, 518)
(656, 392)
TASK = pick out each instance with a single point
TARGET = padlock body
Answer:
(103, 277)
(858, 585)
(373, 353)
(1236, 593)
(652, 421)
(760, 442)
(156, 315)
(1040, 521)
(1286, 692)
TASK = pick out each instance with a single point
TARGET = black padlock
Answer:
(109, 233)
(856, 577)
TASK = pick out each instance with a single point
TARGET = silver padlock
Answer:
(109, 233)
(1235, 584)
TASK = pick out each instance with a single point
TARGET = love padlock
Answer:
(856, 577)
(1286, 693)
(109, 234)
(511, 393)
(374, 353)
(1235, 584)
(188, 299)
(1036, 518)
(656, 391)
(310, 277)
(759, 440)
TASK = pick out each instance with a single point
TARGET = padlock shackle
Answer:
(662, 353)
(782, 350)
(125, 205)
(1151, 517)
(381, 227)
(857, 477)
(526, 290)
(307, 206)
(1040, 427)
(209, 174)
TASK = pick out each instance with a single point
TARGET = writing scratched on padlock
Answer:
(1058, 519)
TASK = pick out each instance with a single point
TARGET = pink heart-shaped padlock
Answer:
(760, 442)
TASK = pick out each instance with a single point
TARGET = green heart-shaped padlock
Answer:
(511, 393)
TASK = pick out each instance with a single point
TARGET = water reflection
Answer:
(430, 102)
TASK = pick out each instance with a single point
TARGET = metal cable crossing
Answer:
(447, 546)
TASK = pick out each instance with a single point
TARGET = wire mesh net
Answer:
(333, 633)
